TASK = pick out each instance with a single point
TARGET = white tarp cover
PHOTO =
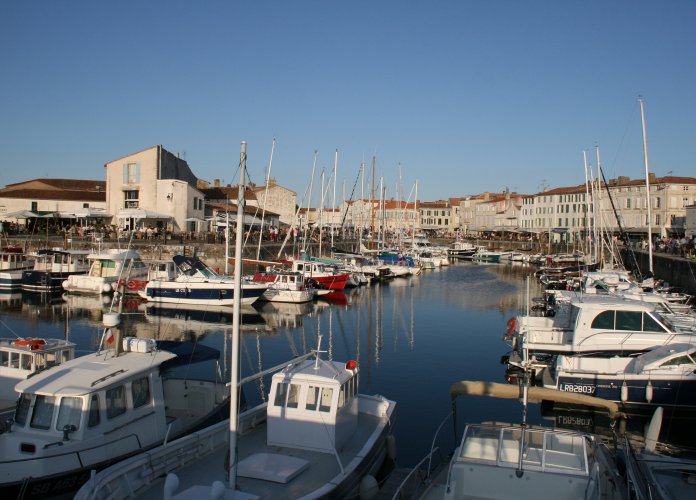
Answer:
(141, 213)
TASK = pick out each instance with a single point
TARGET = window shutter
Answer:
(125, 173)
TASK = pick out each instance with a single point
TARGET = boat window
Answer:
(69, 412)
(96, 269)
(108, 268)
(40, 360)
(43, 412)
(604, 320)
(325, 401)
(115, 402)
(14, 360)
(140, 390)
(22, 409)
(65, 355)
(312, 398)
(679, 360)
(26, 361)
(281, 392)
(93, 419)
(629, 320)
(342, 395)
(565, 452)
(651, 325)
(4, 358)
(294, 396)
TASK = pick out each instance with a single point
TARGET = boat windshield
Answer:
(542, 449)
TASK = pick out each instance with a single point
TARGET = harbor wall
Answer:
(677, 271)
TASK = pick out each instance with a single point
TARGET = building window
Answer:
(131, 173)
(657, 219)
(658, 202)
(131, 199)
(628, 202)
(195, 202)
(34, 206)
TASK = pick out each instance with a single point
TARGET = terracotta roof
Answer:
(57, 189)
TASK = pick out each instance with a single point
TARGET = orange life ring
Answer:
(33, 344)
(512, 325)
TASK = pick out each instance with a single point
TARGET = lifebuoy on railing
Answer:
(33, 344)
(131, 285)
(512, 325)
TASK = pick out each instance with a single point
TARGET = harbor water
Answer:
(412, 337)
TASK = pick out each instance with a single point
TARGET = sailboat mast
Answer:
(587, 207)
(372, 210)
(321, 213)
(265, 199)
(333, 206)
(234, 377)
(647, 185)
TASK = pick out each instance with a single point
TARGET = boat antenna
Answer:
(317, 352)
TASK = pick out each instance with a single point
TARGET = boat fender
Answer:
(624, 392)
(512, 325)
(649, 392)
(391, 446)
(369, 487)
(217, 490)
(106, 288)
(65, 285)
(171, 484)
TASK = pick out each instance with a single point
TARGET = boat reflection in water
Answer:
(283, 314)
(168, 321)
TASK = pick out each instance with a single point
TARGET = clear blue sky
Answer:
(466, 96)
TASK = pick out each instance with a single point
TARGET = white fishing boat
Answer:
(462, 249)
(199, 284)
(316, 436)
(99, 408)
(13, 262)
(664, 376)
(105, 270)
(21, 358)
(52, 267)
(503, 461)
(288, 287)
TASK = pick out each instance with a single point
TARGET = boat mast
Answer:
(415, 217)
(372, 210)
(265, 199)
(587, 208)
(236, 315)
(309, 200)
(647, 185)
(333, 206)
(321, 214)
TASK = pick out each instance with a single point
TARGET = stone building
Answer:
(153, 187)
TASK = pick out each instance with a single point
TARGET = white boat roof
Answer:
(659, 355)
(49, 345)
(92, 372)
(306, 372)
(115, 254)
(609, 301)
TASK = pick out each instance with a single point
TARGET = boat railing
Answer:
(419, 476)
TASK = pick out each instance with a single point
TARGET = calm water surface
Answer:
(412, 338)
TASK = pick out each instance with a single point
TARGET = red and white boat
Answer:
(324, 277)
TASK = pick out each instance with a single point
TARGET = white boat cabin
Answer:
(19, 358)
(485, 463)
(596, 322)
(310, 395)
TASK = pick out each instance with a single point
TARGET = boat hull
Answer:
(45, 281)
(675, 392)
(219, 294)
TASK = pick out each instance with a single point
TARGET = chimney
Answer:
(652, 177)
(216, 183)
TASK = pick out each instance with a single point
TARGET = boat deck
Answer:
(320, 465)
